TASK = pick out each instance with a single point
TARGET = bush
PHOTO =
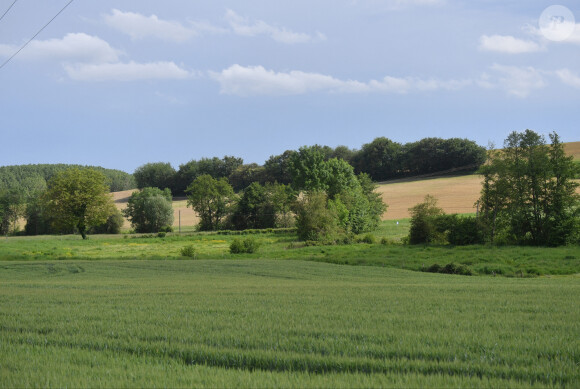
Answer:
(248, 245)
(450, 268)
(188, 251)
(113, 224)
(368, 238)
(423, 222)
(161, 234)
(464, 231)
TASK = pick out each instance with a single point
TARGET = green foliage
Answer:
(188, 251)
(32, 179)
(528, 194)
(263, 206)
(423, 227)
(380, 159)
(464, 230)
(277, 168)
(384, 159)
(450, 268)
(309, 169)
(154, 175)
(244, 175)
(38, 221)
(78, 198)
(315, 219)
(12, 207)
(352, 201)
(113, 224)
(212, 199)
(431, 155)
(214, 167)
(150, 209)
(248, 245)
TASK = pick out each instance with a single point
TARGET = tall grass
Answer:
(281, 323)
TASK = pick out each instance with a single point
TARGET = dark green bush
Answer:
(368, 238)
(248, 245)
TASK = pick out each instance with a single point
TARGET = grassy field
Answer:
(481, 260)
(264, 323)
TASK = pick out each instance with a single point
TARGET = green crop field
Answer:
(265, 323)
(130, 311)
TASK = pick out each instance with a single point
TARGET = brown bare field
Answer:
(454, 194)
(573, 149)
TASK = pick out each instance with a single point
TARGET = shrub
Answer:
(464, 231)
(368, 238)
(161, 234)
(423, 226)
(248, 245)
(188, 251)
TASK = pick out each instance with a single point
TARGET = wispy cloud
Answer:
(130, 71)
(568, 77)
(258, 81)
(139, 26)
(244, 26)
(516, 81)
(73, 47)
(507, 44)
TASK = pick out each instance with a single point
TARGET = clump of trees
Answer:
(335, 201)
(150, 210)
(528, 197)
(528, 194)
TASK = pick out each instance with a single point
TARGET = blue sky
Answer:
(122, 83)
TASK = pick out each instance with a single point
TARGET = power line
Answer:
(35, 35)
(11, 5)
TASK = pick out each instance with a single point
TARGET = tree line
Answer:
(528, 197)
(382, 159)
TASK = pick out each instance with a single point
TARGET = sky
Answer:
(122, 83)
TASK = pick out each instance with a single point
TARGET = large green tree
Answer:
(78, 198)
(150, 209)
(212, 199)
(528, 194)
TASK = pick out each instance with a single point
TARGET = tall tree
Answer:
(211, 198)
(150, 209)
(528, 194)
(78, 199)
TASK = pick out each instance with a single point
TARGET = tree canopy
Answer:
(150, 209)
(528, 194)
(78, 198)
(211, 198)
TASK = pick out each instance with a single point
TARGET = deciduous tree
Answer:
(78, 199)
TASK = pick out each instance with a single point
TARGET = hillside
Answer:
(456, 194)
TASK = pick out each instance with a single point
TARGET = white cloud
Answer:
(139, 26)
(256, 80)
(516, 81)
(130, 71)
(243, 26)
(74, 47)
(507, 44)
(569, 78)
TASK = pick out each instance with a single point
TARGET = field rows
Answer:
(287, 323)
